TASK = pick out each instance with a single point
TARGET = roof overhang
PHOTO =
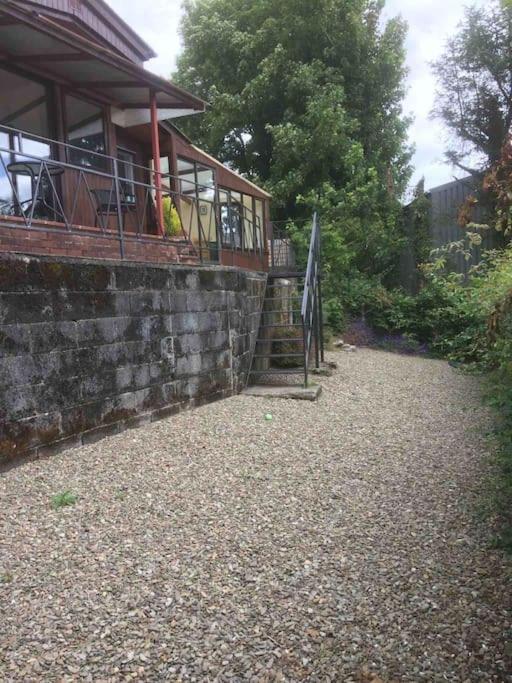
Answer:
(34, 41)
(126, 118)
(86, 14)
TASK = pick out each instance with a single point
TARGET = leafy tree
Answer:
(306, 98)
(474, 97)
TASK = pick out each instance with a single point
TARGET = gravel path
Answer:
(337, 542)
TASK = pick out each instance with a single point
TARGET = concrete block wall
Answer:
(88, 348)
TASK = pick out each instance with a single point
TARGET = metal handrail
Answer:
(311, 309)
(252, 230)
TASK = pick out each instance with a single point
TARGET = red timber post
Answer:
(155, 145)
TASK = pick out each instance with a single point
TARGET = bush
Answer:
(172, 221)
(334, 315)
(288, 349)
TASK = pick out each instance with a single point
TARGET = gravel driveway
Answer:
(337, 542)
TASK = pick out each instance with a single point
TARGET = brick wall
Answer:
(88, 348)
(51, 238)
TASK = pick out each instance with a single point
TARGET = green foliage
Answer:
(172, 221)
(334, 315)
(306, 98)
(475, 81)
(289, 348)
(63, 499)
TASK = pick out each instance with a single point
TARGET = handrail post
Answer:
(199, 229)
(320, 300)
(316, 324)
(306, 351)
(120, 226)
(272, 247)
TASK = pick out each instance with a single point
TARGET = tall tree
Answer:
(293, 85)
(474, 97)
(306, 98)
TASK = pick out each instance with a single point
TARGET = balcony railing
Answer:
(48, 185)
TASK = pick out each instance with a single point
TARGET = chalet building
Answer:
(138, 275)
(91, 162)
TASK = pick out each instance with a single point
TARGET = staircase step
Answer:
(278, 371)
(281, 286)
(268, 327)
(279, 355)
(282, 312)
(275, 339)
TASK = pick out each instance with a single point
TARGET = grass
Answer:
(64, 499)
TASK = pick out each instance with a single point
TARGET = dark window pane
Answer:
(125, 161)
(85, 129)
(23, 104)
(231, 218)
(5, 186)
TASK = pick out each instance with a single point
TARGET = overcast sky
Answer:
(430, 23)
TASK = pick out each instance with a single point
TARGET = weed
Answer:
(63, 499)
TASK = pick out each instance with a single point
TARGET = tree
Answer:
(474, 97)
(306, 98)
(321, 73)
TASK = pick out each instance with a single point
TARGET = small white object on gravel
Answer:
(336, 542)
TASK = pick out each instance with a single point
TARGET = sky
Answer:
(430, 24)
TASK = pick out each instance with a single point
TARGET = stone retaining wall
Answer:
(88, 348)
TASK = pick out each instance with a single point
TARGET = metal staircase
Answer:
(290, 338)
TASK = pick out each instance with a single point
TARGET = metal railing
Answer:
(282, 256)
(311, 310)
(82, 191)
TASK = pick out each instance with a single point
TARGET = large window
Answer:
(231, 218)
(197, 191)
(241, 219)
(85, 129)
(24, 104)
(24, 107)
(196, 180)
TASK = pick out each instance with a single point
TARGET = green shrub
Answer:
(172, 221)
(334, 315)
(288, 349)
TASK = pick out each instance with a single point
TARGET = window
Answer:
(187, 178)
(23, 104)
(24, 109)
(231, 218)
(258, 216)
(5, 186)
(125, 162)
(85, 129)
(196, 180)
(240, 223)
